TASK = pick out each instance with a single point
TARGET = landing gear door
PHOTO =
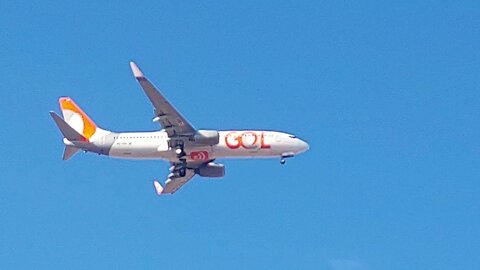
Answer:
(163, 146)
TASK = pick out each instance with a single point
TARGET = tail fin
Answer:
(77, 119)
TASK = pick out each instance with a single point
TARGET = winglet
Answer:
(136, 71)
(158, 187)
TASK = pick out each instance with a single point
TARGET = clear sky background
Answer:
(387, 95)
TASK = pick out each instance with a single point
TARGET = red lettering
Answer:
(263, 145)
(233, 136)
(247, 140)
(244, 141)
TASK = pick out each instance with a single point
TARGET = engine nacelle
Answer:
(211, 170)
(206, 137)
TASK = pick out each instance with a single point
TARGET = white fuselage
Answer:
(189, 150)
(232, 144)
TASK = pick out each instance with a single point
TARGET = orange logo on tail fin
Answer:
(89, 127)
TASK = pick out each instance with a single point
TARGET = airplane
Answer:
(190, 151)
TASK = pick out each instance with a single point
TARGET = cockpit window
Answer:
(292, 136)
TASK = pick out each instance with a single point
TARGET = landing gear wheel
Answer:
(182, 172)
(284, 157)
(179, 149)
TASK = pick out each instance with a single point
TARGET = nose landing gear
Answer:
(284, 157)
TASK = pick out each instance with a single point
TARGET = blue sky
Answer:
(387, 95)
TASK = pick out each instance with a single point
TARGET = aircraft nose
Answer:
(302, 146)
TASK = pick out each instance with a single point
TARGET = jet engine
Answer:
(206, 137)
(211, 170)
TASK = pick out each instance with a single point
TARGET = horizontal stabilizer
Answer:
(68, 132)
(69, 152)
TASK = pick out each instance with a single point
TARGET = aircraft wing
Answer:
(168, 117)
(173, 182)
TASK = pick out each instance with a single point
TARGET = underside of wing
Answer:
(169, 118)
(182, 172)
(174, 182)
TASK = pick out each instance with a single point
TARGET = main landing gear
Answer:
(182, 171)
(180, 152)
(179, 169)
(179, 149)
